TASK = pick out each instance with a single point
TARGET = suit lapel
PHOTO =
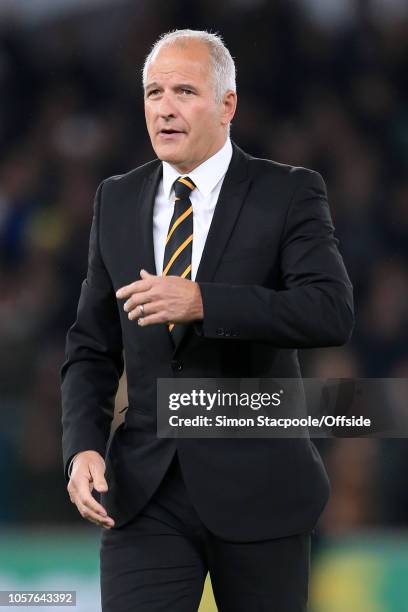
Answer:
(147, 198)
(155, 334)
(230, 201)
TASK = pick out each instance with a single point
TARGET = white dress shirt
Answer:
(208, 179)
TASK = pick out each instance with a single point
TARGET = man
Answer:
(239, 268)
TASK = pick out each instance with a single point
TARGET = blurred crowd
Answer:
(326, 95)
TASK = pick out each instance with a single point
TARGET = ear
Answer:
(229, 105)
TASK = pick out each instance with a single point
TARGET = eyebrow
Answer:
(187, 86)
(154, 84)
(177, 86)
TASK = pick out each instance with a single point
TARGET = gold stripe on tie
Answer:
(171, 325)
(186, 182)
(186, 271)
(178, 221)
(177, 253)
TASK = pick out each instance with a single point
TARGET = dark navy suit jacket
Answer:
(272, 281)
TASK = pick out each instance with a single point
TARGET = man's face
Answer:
(185, 124)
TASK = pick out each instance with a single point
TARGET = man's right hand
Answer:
(88, 473)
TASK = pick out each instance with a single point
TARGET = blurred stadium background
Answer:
(323, 84)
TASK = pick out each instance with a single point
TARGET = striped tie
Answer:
(179, 240)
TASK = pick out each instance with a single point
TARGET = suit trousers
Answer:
(158, 562)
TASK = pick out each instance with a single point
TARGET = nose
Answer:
(167, 108)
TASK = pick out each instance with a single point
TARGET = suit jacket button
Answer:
(227, 333)
(220, 331)
(177, 366)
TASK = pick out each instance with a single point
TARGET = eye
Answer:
(185, 91)
(152, 92)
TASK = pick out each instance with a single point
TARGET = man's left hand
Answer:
(164, 299)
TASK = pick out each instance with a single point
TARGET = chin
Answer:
(171, 159)
(167, 154)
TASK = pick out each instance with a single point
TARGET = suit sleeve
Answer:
(94, 358)
(314, 307)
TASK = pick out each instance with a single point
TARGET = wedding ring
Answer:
(141, 308)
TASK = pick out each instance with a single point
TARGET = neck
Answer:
(186, 168)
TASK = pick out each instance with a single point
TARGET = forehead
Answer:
(190, 59)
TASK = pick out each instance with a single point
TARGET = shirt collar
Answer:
(205, 176)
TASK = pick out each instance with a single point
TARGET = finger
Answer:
(136, 299)
(127, 290)
(85, 502)
(83, 496)
(89, 515)
(148, 309)
(91, 504)
(152, 319)
(97, 471)
(145, 274)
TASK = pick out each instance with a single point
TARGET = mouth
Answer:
(168, 133)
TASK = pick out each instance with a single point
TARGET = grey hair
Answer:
(223, 65)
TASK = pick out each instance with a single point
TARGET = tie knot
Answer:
(183, 187)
